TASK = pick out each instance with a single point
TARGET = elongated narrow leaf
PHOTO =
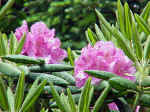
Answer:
(12, 44)
(124, 44)
(19, 95)
(99, 33)
(33, 87)
(143, 37)
(120, 83)
(32, 97)
(3, 45)
(23, 59)
(147, 49)
(11, 100)
(71, 101)
(145, 13)
(101, 99)
(90, 36)
(106, 32)
(100, 74)
(123, 105)
(20, 45)
(84, 98)
(50, 78)
(5, 39)
(9, 69)
(91, 92)
(48, 90)
(66, 76)
(65, 101)
(1, 48)
(70, 56)
(120, 15)
(128, 22)
(6, 7)
(51, 68)
(104, 21)
(89, 41)
(143, 25)
(57, 98)
(145, 100)
(136, 41)
(3, 96)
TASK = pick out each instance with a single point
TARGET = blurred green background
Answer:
(70, 18)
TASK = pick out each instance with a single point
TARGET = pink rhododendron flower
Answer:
(41, 42)
(112, 106)
(137, 109)
(102, 56)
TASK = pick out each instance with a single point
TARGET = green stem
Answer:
(8, 5)
(136, 101)
(101, 99)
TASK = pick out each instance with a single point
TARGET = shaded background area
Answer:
(70, 18)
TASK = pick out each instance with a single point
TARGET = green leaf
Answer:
(142, 23)
(124, 106)
(145, 13)
(147, 49)
(48, 90)
(104, 21)
(128, 22)
(84, 98)
(66, 76)
(91, 92)
(120, 83)
(1, 48)
(56, 96)
(12, 44)
(99, 33)
(10, 71)
(70, 56)
(146, 81)
(32, 96)
(107, 34)
(3, 44)
(23, 59)
(101, 99)
(120, 15)
(90, 37)
(124, 44)
(3, 96)
(145, 100)
(50, 78)
(6, 43)
(136, 41)
(33, 87)
(51, 68)
(21, 44)
(100, 74)
(19, 95)
(10, 100)
(71, 101)
(6, 7)
(64, 99)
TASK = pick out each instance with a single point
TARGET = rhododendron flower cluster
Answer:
(102, 56)
(41, 42)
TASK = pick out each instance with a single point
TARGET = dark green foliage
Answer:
(70, 18)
